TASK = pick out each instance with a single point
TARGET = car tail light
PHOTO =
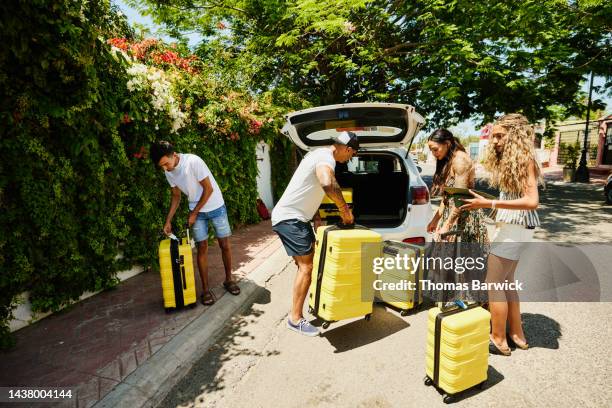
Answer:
(415, 240)
(419, 194)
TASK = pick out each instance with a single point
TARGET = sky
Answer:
(134, 16)
(466, 128)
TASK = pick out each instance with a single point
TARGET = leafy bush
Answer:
(82, 102)
(571, 153)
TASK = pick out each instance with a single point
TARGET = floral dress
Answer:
(473, 243)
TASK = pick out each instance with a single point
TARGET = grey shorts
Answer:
(297, 236)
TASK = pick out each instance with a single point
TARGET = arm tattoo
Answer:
(463, 169)
(330, 186)
(334, 192)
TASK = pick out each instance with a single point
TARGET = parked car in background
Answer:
(389, 195)
(608, 189)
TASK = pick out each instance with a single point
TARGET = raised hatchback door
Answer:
(376, 124)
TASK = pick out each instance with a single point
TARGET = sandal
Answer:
(208, 298)
(522, 345)
(495, 349)
(232, 287)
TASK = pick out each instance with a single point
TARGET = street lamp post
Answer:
(582, 173)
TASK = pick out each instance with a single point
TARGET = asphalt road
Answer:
(257, 362)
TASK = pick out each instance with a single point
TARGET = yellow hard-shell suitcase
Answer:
(328, 210)
(457, 355)
(338, 289)
(406, 298)
(177, 273)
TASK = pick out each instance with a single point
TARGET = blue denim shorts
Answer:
(219, 221)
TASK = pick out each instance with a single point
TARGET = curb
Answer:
(148, 385)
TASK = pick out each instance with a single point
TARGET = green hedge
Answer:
(76, 189)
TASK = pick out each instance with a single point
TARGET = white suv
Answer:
(389, 195)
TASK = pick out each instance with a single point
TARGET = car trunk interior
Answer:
(380, 188)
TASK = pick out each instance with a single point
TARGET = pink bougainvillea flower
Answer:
(120, 43)
(255, 126)
(141, 153)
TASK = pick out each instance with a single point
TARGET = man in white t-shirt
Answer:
(299, 204)
(189, 174)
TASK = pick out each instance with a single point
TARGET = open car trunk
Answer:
(380, 188)
(375, 124)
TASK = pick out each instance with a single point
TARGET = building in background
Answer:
(599, 153)
(473, 150)
(485, 134)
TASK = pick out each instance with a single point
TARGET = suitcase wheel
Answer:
(368, 317)
(168, 309)
(427, 381)
(325, 325)
(448, 399)
(404, 313)
(191, 306)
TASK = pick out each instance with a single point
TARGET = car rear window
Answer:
(373, 164)
(371, 124)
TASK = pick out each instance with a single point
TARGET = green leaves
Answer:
(287, 39)
(80, 200)
(488, 56)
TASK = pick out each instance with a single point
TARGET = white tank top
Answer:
(528, 218)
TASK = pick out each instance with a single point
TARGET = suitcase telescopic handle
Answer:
(449, 233)
(354, 225)
(342, 225)
(187, 229)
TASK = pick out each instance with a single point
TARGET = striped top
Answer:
(529, 218)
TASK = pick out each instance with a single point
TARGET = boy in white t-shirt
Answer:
(299, 204)
(189, 174)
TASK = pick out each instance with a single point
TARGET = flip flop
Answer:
(232, 287)
(208, 298)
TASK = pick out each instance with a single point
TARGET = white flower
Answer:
(157, 83)
(349, 27)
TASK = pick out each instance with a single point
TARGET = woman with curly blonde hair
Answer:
(511, 162)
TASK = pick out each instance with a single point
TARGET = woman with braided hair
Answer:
(511, 162)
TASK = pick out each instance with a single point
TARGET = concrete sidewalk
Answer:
(94, 345)
(555, 173)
